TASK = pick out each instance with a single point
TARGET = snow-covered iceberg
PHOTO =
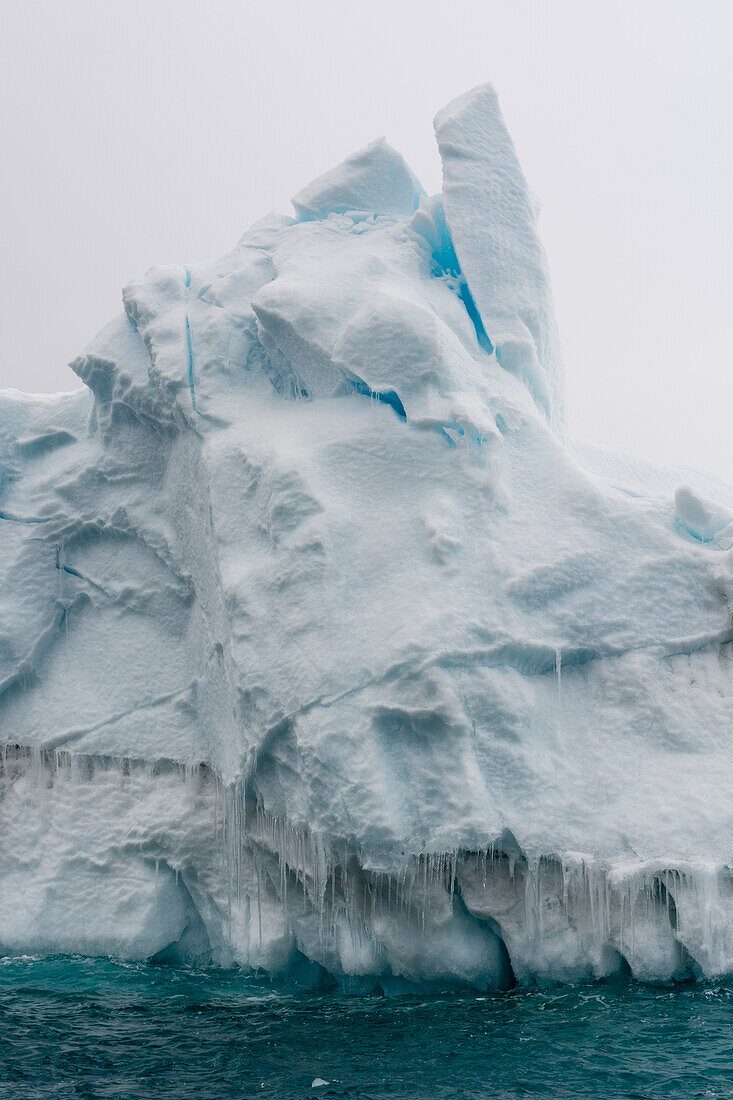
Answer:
(322, 652)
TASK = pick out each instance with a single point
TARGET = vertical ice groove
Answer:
(558, 682)
(189, 345)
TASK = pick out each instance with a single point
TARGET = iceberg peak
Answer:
(375, 179)
(491, 216)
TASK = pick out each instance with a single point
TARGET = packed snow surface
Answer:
(322, 652)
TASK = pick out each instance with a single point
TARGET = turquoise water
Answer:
(94, 1028)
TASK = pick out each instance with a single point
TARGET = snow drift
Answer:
(322, 652)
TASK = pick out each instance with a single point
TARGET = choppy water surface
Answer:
(94, 1028)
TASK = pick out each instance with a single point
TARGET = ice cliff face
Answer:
(319, 649)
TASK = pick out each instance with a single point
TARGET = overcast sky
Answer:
(155, 131)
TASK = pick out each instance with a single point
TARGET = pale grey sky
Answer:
(156, 131)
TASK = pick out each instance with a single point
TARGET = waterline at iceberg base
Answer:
(201, 877)
(322, 651)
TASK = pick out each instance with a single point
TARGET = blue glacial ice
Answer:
(323, 652)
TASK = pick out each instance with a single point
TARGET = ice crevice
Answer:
(189, 345)
(384, 397)
(67, 737)
(529, 659)
(25, 671)
(10, 518)
(72, 572)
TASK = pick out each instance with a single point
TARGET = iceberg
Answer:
(323, 652)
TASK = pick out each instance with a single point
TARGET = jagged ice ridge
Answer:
(322, 652)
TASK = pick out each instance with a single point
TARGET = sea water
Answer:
(94, 1028)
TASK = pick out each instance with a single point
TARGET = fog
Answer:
(156, 131)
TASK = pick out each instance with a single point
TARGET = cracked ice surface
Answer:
(321, 651)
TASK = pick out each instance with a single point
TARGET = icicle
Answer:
(558, 680)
